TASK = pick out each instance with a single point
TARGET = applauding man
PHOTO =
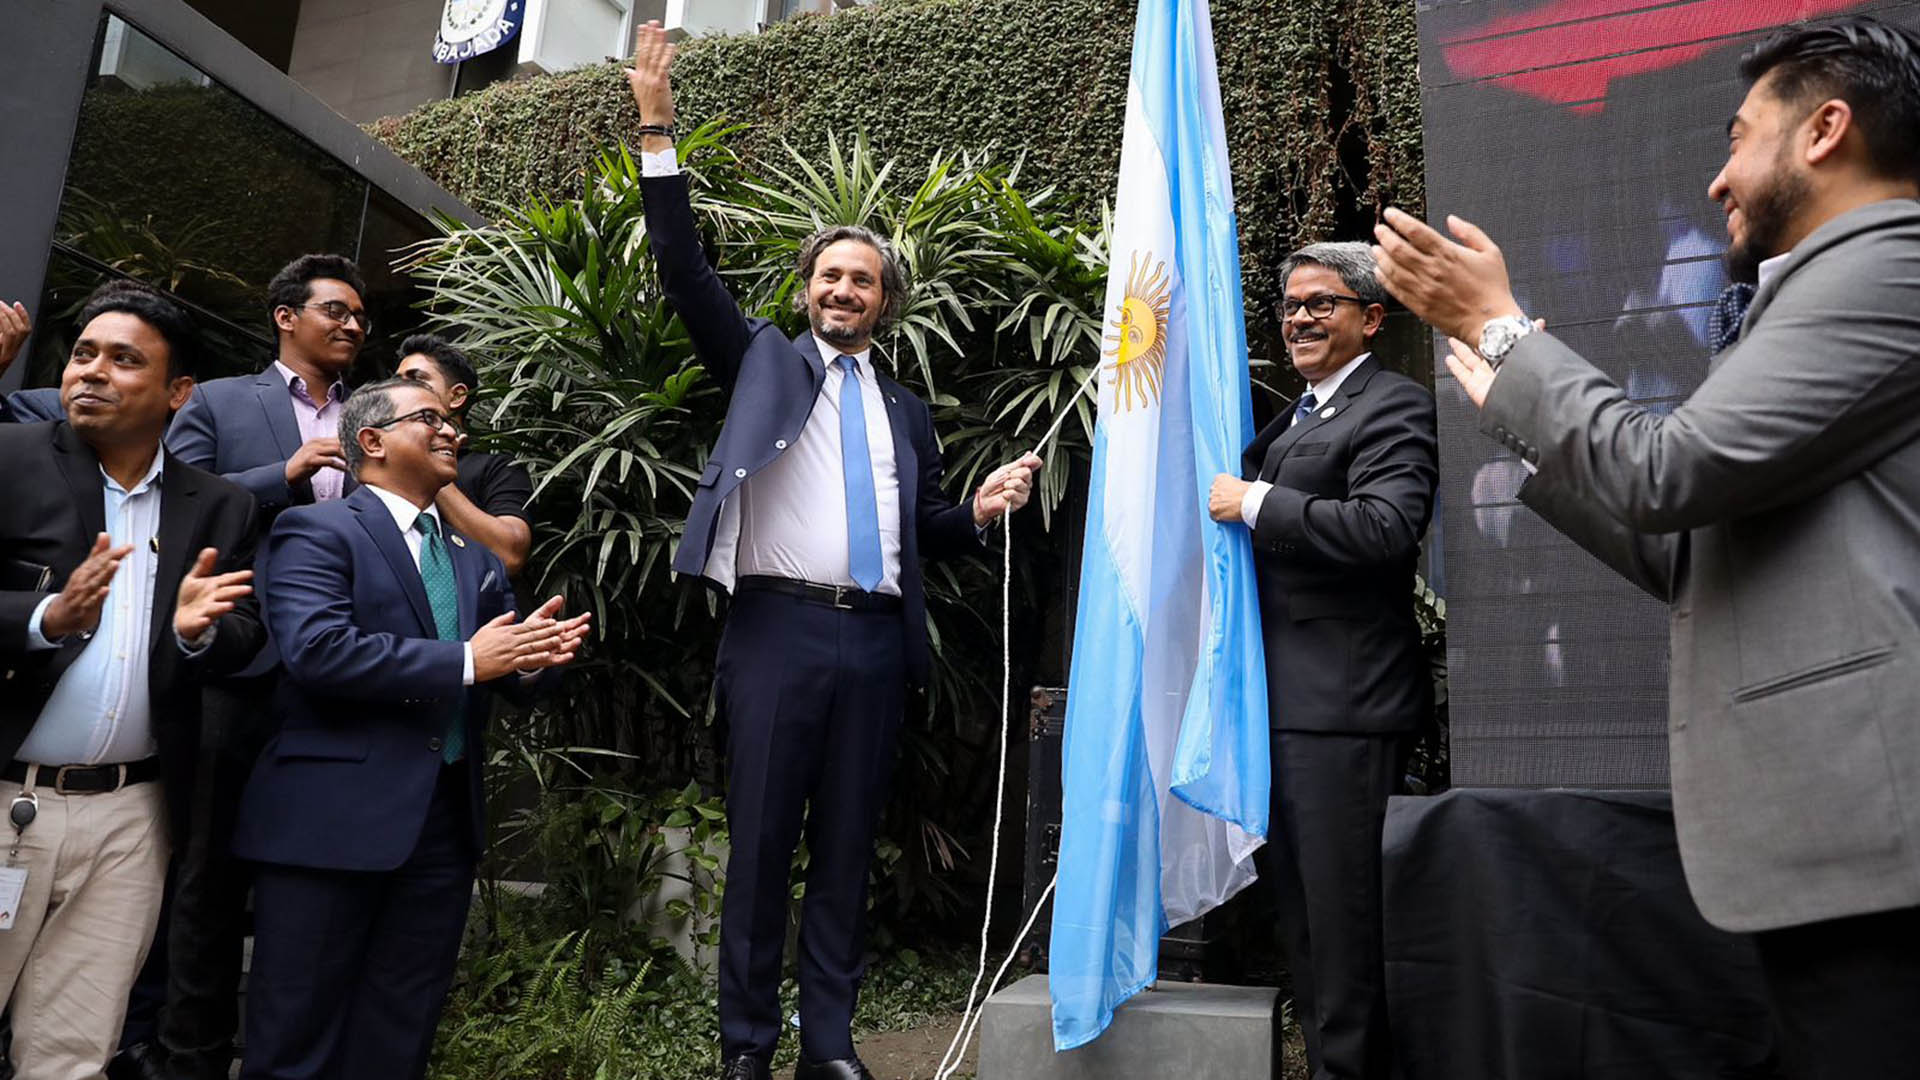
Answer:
(1774, 510)
(124, 582)
(821, 496)
(364, 813)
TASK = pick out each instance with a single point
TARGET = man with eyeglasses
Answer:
(1339, 490)
(274, 434)
(364, 814)
(488, 501)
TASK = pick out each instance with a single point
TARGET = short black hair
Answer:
(293, 285)
(1873, 67)
(453, 364)
(157, 310)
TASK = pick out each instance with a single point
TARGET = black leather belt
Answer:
(844, 597)
(84, 779)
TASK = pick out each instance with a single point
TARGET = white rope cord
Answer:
(970, 1017)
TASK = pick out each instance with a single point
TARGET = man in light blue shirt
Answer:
(123, 582)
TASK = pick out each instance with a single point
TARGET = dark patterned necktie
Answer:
(443, 597)
(1305, 408)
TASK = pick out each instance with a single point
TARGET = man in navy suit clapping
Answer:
(364, 812)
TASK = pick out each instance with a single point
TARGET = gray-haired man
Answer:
(1338, 493)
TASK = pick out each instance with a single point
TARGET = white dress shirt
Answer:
(405, 514)
(1322, 392)
(793, 513)
(101, 710)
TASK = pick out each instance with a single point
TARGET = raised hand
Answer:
(15, 325)
(205, 596)
(76, 609)
(1006, 489)
(652, 89)
(1454, 287)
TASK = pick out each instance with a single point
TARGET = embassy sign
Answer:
(471, 27)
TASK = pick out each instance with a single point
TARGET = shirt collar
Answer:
(151, 478)
(1325, 388)
(829, 351)
(1770, 267)
(298, 385)
(403, 511)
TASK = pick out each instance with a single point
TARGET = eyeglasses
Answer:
(433, 418)
(340, 313)
(1318, 307)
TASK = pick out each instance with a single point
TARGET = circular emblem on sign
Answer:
(471, 27)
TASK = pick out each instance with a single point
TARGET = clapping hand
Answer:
(76, 608)
(205, 596)
(540, 641)
(1454, 287)
(15, 325)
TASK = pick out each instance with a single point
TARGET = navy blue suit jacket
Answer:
(773, 383)
(32, 406)
(242, 428)
(361, 708)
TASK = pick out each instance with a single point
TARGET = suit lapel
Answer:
(276, 399)
(906, 456)
(179, 507)
(467, 566)
(1350, 387)
(80, 468)
(809, 351)
(386, 536)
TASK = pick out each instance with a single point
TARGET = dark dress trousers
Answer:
(364, 838)
(51, 509)
(812, 695)
(1336, 542)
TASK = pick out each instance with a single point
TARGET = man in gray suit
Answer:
(1778, 511)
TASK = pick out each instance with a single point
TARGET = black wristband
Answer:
(665, 131)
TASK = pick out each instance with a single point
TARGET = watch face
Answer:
(1497, 337)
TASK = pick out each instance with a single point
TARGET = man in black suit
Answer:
(820, 497)
(1339, 490)
(124, 582)
(364, 814)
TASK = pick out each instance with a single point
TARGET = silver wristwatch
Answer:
(1499, 336)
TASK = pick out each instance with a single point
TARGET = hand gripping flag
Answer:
(1167, 693)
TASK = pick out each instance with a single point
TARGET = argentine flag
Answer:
(1168, 690)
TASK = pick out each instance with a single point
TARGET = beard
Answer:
(849, 333)
(1769, 213)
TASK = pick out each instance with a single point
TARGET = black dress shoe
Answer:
(843, 1069)
(141, 1061)
(746, 1067)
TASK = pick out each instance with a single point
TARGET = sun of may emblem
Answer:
(1136, 343)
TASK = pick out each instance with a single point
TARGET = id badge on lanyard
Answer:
(13, 877)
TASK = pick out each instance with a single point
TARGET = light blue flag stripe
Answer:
(1201, 637)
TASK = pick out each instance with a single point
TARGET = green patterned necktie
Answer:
(443, 596)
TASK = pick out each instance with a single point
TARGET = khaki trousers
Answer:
(96, 866)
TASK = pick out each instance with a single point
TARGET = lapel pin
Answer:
(458, 540)
(1326, 412)
(153, 544)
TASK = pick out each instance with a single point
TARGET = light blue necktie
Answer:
(856, 465)
(443, 598)
(1305, 408)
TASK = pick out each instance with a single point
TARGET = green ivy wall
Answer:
(1322, 104)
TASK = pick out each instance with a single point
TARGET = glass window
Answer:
(179, 182)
